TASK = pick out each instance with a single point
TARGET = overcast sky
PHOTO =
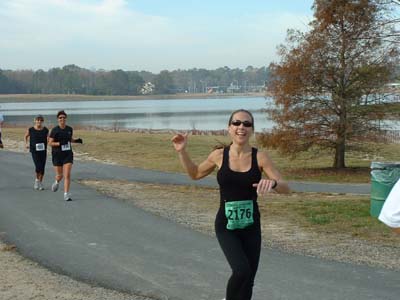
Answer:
(150, 35)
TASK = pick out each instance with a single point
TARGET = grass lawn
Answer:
(332, 214)
(155, 151)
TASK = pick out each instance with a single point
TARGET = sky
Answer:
(151, 35)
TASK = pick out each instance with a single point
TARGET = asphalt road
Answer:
(107, 171)
(107, 242)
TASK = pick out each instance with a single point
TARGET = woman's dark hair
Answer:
(61, 113)
(244, 111)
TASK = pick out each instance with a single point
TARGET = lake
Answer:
(179, 114)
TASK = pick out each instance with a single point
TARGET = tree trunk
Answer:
(340, 151)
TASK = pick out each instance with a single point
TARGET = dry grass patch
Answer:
(8, 248)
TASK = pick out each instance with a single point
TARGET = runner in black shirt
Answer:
(61, 138)
(37, 136)
(1, 124)
(239, 176)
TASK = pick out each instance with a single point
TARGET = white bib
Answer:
(66, 147)
(40, 147)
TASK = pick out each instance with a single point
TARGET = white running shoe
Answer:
(36, 185)
(54, 186)
(67, 197)
(41, 188)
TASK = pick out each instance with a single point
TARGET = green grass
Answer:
(332, 214)
(155, 151)
(336, 211)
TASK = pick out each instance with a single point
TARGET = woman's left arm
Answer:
(275, 180)
(26, 138)
(77, 141)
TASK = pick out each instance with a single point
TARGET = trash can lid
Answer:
(385, 165)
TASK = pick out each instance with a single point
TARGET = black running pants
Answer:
(242, 250)
(39, 159)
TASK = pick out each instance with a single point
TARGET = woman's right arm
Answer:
(52, 143)
(26, 137)
(194, 171)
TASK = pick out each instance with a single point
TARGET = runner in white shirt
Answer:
(390, 213)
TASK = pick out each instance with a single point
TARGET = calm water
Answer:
(180, 114)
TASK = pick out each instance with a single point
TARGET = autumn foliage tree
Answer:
(328, 82)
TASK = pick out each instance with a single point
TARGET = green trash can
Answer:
(384, 175)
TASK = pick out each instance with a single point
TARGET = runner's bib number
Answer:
(66, 147)
(239, 214)
(40, 147)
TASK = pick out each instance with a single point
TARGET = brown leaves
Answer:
(321, 84)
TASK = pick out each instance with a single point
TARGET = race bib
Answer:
(239, 214)
(66, 147)
(40, 147)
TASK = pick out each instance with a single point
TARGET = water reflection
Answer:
(179, 114)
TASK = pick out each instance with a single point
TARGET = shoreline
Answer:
(220, 132)
(7, 98)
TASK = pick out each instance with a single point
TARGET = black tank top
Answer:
(237, 186)
(62, 135)
(36, 137)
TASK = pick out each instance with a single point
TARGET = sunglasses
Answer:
(62, 117)
(245, 123)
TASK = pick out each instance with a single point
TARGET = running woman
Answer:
(239, 176)
(390, 213)
(38, 136)
(1, 124)
(61, 138)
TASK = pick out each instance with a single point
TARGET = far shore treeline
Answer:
(72, 79)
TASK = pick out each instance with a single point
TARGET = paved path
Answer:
(112, 243)
(107, 171)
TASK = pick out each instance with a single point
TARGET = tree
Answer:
(71, 81)
(4, 83)
(40, 82)
(392, 17)
(164, 83)
(136, 82)
(327, 85)
(10, 86)
(119, 82)
(22, 80)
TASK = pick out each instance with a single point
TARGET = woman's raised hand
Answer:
(179, 141)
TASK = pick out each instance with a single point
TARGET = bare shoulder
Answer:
(263, 157)
(216, 156)
(265, 162)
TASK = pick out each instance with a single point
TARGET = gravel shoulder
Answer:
(22, 279)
